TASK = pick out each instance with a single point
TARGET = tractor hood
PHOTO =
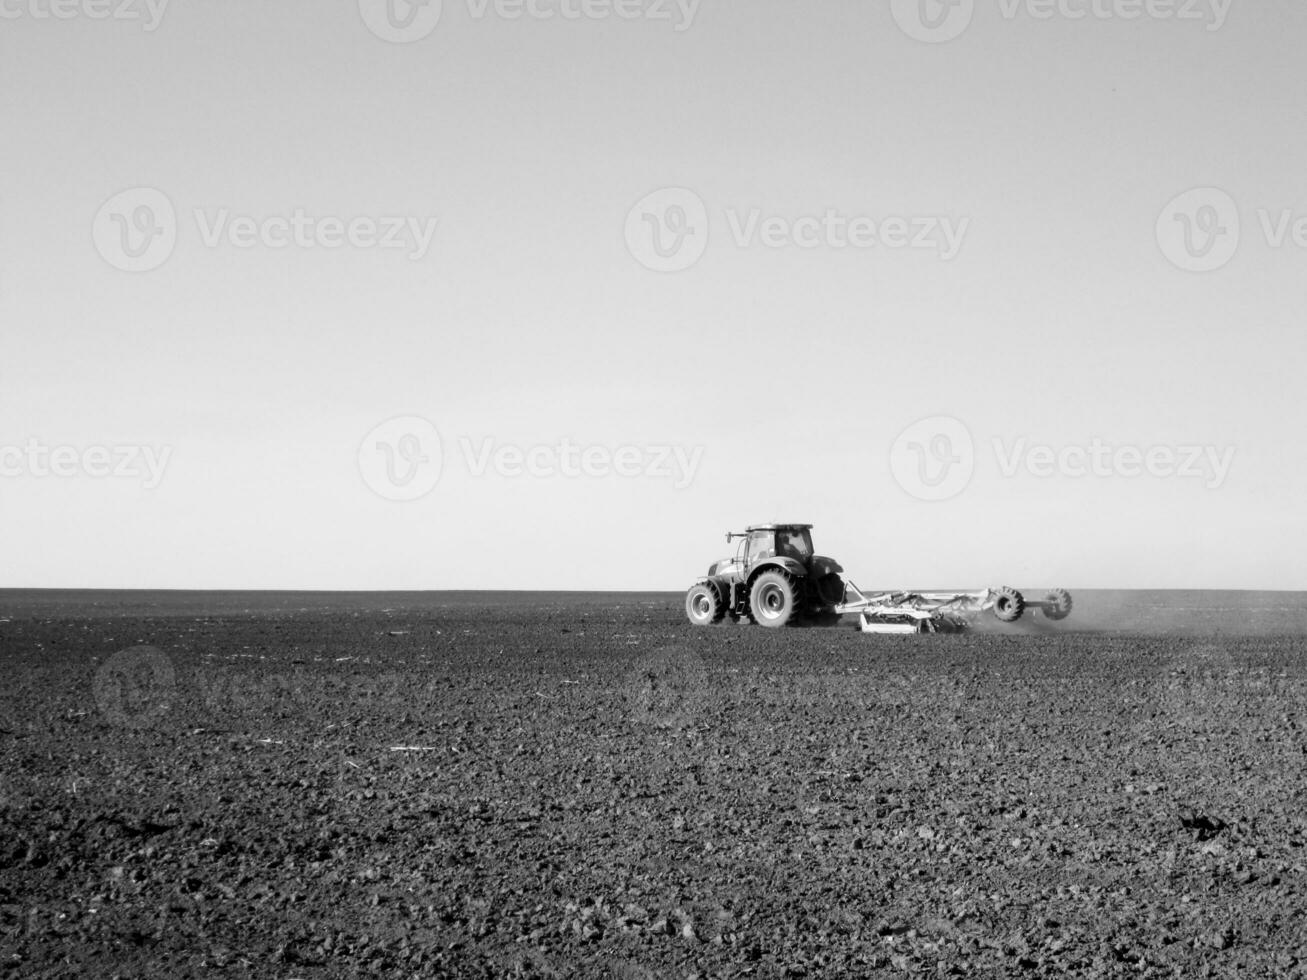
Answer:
(722, 567)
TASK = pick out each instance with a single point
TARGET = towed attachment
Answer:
(943, 612)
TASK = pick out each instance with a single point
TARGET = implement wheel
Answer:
(1058, 604)
(1010, 605)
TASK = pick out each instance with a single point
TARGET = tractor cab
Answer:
(765, 541)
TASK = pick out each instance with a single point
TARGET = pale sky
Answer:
(991, 231)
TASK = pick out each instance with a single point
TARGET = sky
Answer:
(498, 294)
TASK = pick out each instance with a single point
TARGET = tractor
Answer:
(773, 579)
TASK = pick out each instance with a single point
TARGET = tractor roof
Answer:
(779, 527)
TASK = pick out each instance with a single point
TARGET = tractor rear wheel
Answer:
(772, 598)
(703, 605)
(1009, 606)
(1058, 604)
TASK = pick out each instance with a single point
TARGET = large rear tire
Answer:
(1057, 605)
(773, 598)
(1009, 606)
(703, 605)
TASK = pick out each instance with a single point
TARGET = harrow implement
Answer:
(944, 612)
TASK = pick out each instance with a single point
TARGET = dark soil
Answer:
(582, 786)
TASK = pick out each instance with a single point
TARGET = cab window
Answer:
(761, 545)
(794, 544)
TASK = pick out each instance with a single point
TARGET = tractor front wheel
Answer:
(703, 605)
(772, 599)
